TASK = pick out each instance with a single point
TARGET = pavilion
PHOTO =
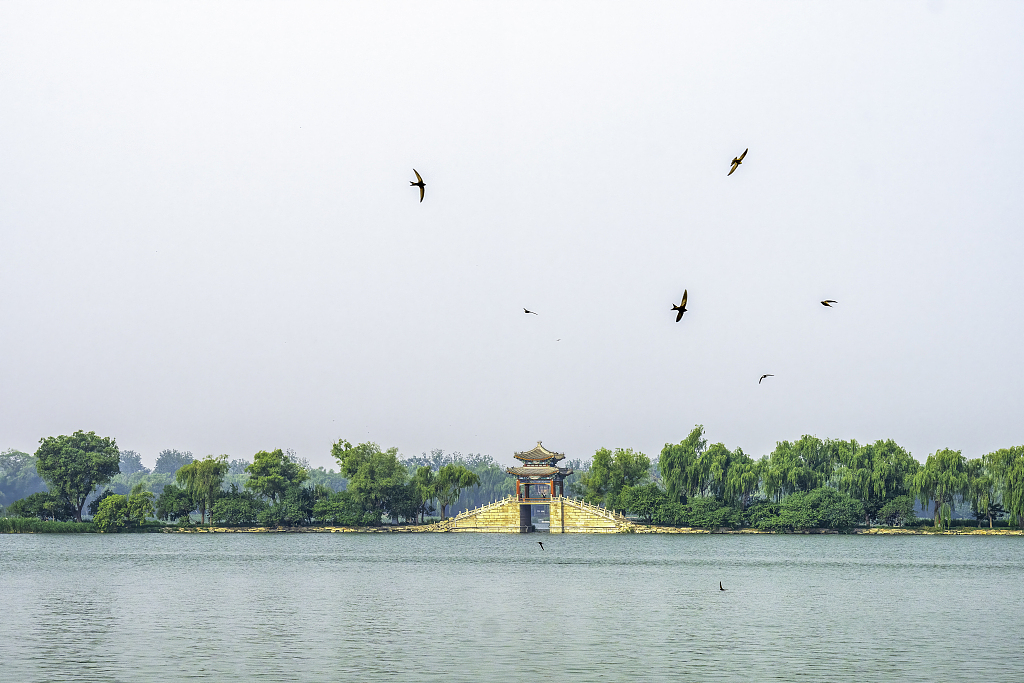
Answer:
(538, 480)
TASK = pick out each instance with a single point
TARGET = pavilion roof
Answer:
(538, 471)
(538, 453)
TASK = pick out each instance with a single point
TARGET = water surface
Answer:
(495, 607)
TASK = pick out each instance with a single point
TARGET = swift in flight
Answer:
(737, 161)
(419, 183)
(829, 302)
(681, 307)
(763, 376)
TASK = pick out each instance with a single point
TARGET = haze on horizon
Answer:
(210, 243)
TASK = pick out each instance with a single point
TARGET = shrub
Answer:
(174, 503)
(642, 500)
(112, 514)
(117, 512)
(898, 512)
(820, 508)
(343, 508)
(671, 514)
(43, 505)
(705, 513)
(285, 513)
(237, 507)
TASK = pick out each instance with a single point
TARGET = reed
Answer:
(23, 525)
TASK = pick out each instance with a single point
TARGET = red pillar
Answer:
(552, 488)
(518, 495)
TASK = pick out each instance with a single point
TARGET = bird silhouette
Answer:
(829, 302)
(527, 310)
(763, 376)
(737, 161)
(720, 586)
(419, 183)
(681, 307)
(541, 545)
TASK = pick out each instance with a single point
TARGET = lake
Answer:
(495, 607)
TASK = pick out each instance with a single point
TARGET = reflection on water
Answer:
(494, 607)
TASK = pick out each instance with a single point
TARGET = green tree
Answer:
(819, 508)
(73, 466)
(981, 487)
(376, 477)
(174, 503)
(943, 477)
(345, 509)
(898, 511)
(803, 465)
(44, 505)
(874, 473)
(237, 507)
(170, 461)
(272, 472)
(678, 465)
(202, 480)
(117, 512)
(1007, 468)
(426, 486)
(131, 463)
(643, 500)
(742, 480)
(449, 483)
(610, 472)
(18, 476)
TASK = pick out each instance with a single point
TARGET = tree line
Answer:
(276, 488)
(807, 483)
(803, 484)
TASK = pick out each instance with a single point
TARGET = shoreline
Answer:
(639, 529)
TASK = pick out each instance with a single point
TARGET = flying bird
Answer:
(720, 586)
(737, 161)
(681, 307)
(527, 310)
(419, 183)
(829, 302)
(541, 545)
(763, 376)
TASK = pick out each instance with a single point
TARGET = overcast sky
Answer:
(209, 241)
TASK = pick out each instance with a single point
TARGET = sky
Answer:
(209, 241)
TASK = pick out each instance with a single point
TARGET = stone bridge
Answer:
(566, 515)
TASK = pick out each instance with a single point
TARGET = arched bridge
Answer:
(511, 515)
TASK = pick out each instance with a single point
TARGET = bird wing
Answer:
(744, 153)
(734, 167)
(679, 316)
(684, 299)
(419, 178)
(421, 193)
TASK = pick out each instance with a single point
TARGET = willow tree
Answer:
(425, 482)
(981, 487)
(202, 480)
(679, 463)
(874, 473)
(742, 479)
(943, 477)
(1007, 468)
(803, 465)
(450, 482)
